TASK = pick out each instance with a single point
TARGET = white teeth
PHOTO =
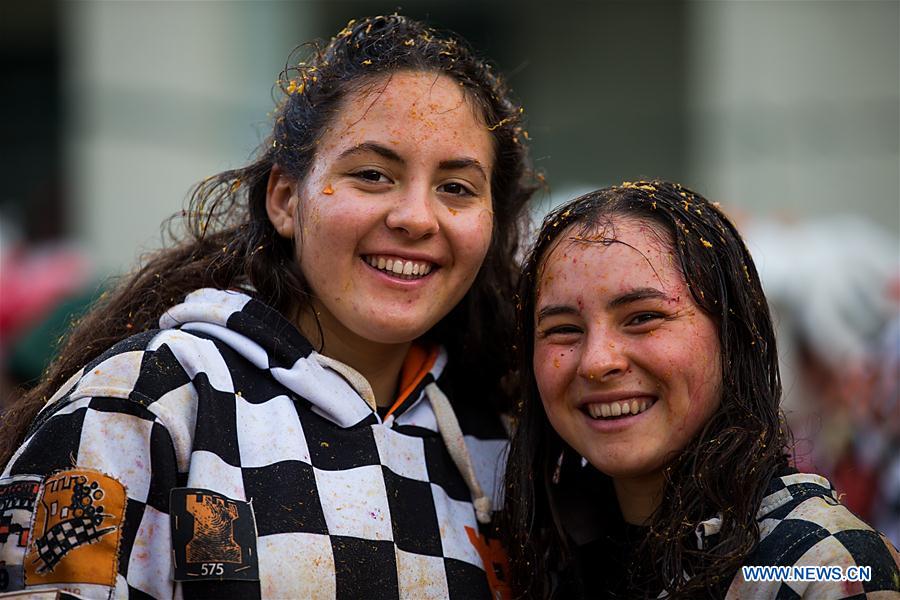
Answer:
(405, 269)
(616, 409)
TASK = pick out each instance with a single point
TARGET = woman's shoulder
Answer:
(805, 507)
(103, 432)
(803, 524)
(136, 371)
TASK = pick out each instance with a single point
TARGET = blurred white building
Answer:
(789, 107)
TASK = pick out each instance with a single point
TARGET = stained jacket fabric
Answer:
(224, 452)
(802, 523)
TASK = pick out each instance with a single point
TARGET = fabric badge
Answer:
(76, 529)
(213, 536)
(16, 507)
(496, 563)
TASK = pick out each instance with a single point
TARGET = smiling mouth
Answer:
(617, 410)
(402, 269)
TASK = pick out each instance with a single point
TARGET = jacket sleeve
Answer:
(84, 502)
(868, 563)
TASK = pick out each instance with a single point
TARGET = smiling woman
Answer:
(650, 459)
(401, 234)
(625, 361)
(302, 398)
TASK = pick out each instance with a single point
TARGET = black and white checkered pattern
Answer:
(802, 523)
(65, 536)
(229, 397)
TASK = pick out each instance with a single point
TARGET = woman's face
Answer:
(394, 218)
(627, 365)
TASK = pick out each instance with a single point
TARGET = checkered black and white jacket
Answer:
(230, 407)
(801, 523)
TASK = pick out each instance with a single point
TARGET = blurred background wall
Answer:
(788, 113)
(115, 108)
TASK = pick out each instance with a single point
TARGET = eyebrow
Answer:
(376, 148)
(635, 295)
(453, 164)
(632, 296)
(555, 309)
(462, 163)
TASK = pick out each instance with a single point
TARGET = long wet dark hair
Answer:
(230, 242)
(724, 469)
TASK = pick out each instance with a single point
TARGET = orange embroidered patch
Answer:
(76, 529)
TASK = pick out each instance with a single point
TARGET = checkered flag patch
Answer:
(65, 536)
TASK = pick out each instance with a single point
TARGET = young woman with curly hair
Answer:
(302, 397)
(649, 457)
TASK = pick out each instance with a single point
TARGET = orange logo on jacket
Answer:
(76, 531)
(496, 563)
(213, 539)
(213, 536)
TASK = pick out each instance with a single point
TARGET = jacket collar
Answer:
(264, 337)
(783, 489)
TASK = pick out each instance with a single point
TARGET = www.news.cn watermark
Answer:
(856, 573)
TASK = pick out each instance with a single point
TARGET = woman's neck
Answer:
(379, 363)
(639, 496)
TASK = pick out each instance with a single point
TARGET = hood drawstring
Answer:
(448, 425)
(353, 377)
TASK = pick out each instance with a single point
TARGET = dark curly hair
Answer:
(231, 243)
(724, 469)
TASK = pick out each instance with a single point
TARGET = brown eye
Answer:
(564, 329)
(643, 318)
(560, 331)
(456, 189)
(372, 176)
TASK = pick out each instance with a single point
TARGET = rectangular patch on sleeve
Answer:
(213, 536)
(17, 496)
(76, 529)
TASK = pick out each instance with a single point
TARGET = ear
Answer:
(281, 202)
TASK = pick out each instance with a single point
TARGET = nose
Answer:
(604, 359)
(413, 214)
